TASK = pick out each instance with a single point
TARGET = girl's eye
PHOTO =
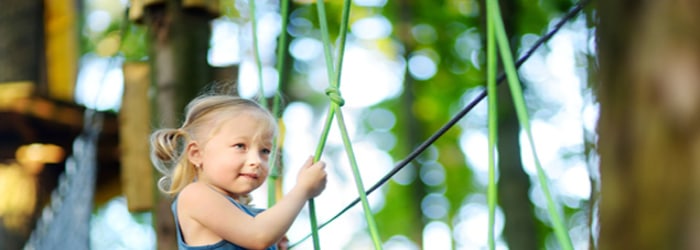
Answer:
(239, 145)
(266, 151)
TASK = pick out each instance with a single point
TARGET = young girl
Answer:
(212, 163)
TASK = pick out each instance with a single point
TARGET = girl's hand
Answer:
(283, 244)
(312, 177)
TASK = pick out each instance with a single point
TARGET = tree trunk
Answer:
(22, 33)
(649, 140)
(519, 231)
(179, 41)
(413, 129)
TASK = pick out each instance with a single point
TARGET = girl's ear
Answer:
(194, 153)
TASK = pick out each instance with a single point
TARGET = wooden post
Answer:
(134, 129)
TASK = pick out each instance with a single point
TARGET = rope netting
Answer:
(64, 222)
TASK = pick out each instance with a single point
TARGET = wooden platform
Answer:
(27, 120)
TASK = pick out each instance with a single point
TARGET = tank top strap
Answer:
(245, 208)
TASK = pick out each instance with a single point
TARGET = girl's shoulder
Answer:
(194, 189)
(194, 193)
(201, 195)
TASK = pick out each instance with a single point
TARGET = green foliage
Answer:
(135, 43)
(400, 215)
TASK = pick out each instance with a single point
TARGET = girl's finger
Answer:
(309, 161)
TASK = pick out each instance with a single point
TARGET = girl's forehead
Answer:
(249, 123)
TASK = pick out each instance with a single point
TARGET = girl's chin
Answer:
(242, 191)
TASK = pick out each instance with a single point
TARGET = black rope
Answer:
(423, 146)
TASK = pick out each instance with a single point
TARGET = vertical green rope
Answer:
(256, 51)
(374, 232)
(325, 37)
(342, 39)
(281, 51)
(494, 14)
(329, 118)
(334, 109)
(493, 128)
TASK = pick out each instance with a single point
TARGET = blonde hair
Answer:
(203, 116)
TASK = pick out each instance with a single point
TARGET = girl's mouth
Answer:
(253, 176)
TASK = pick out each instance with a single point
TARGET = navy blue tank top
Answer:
(221, 245)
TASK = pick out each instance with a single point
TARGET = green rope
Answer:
(494, 14)
(342, 39)
(329, 119)
(334, 95)
(256, 51)
(281, 52)
(325, 36)
(493, 128)
(374, 232)
(334, 110)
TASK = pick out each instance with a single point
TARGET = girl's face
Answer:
(235, 158)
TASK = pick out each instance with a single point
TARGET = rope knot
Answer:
(334, 94)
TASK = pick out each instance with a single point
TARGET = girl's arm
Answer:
(215, 213)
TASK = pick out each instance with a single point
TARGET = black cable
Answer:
(423, 146)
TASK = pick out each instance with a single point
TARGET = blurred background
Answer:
(82, 84)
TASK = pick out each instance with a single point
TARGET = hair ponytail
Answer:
(168, 157)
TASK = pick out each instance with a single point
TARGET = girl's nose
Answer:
(253, 158)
